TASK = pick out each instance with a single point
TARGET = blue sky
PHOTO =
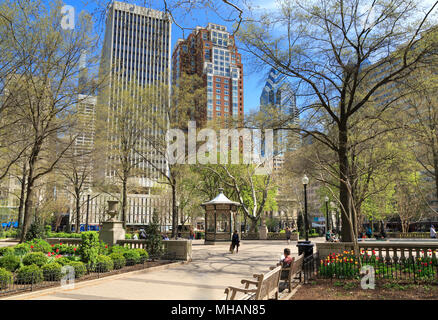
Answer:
(253, 82)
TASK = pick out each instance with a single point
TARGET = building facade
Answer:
(136, 50)
(278, 94)
(211, 53)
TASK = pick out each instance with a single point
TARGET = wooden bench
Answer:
(266, 287)
(293, 271)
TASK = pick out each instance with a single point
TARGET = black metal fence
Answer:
(41, 279)
(410, 269)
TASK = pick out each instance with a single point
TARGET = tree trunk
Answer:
(124, 200)
(253, 226)
(435, 167)
(27, 206)
(344, 195)
(78, 211)
(174, 212)
(22, 194)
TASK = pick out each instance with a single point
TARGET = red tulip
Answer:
(57, 250)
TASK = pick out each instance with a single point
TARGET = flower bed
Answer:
(38, 264)
(347, 266)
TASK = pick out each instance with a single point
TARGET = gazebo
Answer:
(220, 219)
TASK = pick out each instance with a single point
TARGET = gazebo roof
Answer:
(220, 199)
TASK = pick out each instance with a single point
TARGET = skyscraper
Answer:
(136, 50)
(212, 54)
(277, 93)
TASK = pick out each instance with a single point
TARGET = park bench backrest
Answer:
(268, 284)
(297, 265)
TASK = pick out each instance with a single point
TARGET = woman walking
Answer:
(235, 242)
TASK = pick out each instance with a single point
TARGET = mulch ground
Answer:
(322, 289)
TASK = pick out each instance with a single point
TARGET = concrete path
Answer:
(213, 269)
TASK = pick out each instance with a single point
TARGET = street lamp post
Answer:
(305, 181)
(305, 247)
(88, 211)
(177, 218)
(327, 221)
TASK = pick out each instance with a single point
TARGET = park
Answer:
(218, 150)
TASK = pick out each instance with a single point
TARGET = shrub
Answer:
(22, 249)
(104, 264)
(132, 257)
(12, 233)
(118, 249)
(154, 243)
(143, 254)
(48, 229)
(63, 249)
(5, 278)
(103, 248)
(89, 248)
(52, 271)
(29, 274)
(128, 236)
(36, 231)
(63, 235)
(10, 262)
(63, 261)
(118, 260)
(5, 251)
(37, 258)
(80, 268)
(40, 245)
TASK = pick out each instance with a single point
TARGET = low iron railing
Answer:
(40, 280)
(423, 267)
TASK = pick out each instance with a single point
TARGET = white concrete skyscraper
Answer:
(136, 50)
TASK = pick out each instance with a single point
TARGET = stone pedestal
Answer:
(263, 233)
(111, 232)
(179, 249)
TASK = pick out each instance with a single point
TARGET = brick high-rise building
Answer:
(211, 53)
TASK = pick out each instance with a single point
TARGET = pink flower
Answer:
(49, 254)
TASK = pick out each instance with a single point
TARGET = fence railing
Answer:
(409, 235)
(406, 269)
(382, 249)
(310, 267)
(23, 282)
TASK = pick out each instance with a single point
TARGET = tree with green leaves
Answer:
(339, 55)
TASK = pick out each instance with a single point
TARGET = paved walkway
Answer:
(213, 269)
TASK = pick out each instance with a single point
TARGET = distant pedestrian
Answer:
(143, 234)
(235, 242)
(369, 232)
(288, 234)
(432, 232)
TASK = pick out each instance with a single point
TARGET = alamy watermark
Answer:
(68, 280)
(368, 281)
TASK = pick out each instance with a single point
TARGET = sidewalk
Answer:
(213, 269)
